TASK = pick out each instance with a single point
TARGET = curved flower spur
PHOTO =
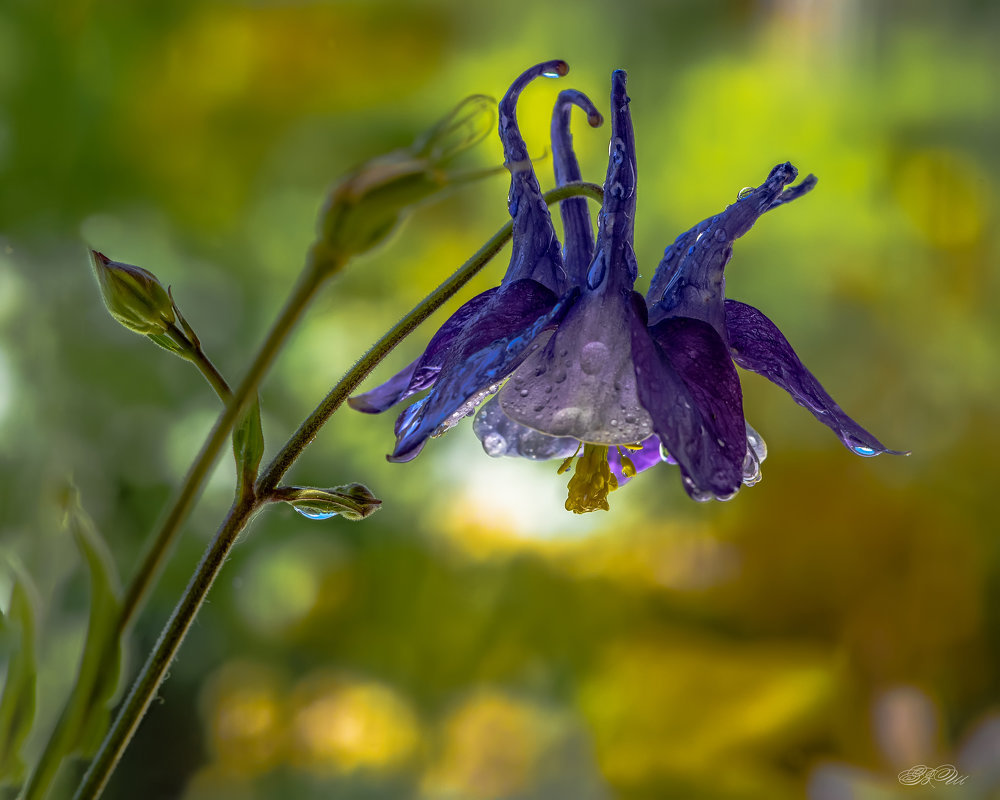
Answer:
(499, 434)
(485, 340)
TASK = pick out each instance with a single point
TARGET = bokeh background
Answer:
(811, 638)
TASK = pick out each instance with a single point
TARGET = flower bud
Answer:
(353, 501)
(134, 296)
(370, 202)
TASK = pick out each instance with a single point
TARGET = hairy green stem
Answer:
(194, 354)
(154, 670)
(167, 533)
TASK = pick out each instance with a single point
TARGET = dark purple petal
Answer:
(386, 395)
(690, 279)
(501, 436)
(687, 383)
(582, 383)
(536, 252)
(578, 233)
(758, 345)
(423, 372)
(649, 456)
(614, 268)
(481, 357)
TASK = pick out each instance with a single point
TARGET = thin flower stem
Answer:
(167, 533)
(154, 670)
(310, 427)
(194, 354)
(149, 679)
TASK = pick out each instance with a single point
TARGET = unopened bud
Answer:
(353, 501)
(369, 203)
(134, 296)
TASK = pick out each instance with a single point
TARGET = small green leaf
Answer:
(248, 447)
(353, 501)
(17, 704)
(167, 343)
(89, 708)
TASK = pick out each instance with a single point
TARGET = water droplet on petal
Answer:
(312, 513)
(863, 450)
(721, 235)
(551, 73)
(668, 254)
(494, 444)
(523, 393)
(746, 191)
(593, 356)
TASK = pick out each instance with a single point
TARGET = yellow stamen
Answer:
(592, 481)
(569, 461)
(628, 468)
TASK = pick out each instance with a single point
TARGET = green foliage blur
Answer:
(821, 632)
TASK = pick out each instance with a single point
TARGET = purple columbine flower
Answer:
(630, 382)
(636, 386)
(484, 341)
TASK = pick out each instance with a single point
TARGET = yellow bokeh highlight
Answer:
(244, 711)
(943, 195)
(340, 725)
(683, 708)
(492, 746)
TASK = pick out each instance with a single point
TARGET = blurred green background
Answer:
(813, 637)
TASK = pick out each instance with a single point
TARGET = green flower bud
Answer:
(134, 296)
(353, 501)
(370, 202)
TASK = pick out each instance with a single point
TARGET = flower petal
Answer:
(422, 373)
(758, 345)
(501, 436)
(536, 252)
(690, 279)
(578, 233)
(480, 357)
(649, 455)
(582, 382)
(687, 383)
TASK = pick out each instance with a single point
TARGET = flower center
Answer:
(592, 482)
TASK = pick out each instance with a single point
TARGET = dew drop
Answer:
(312, 513)
(863, 450)
(745, 192)
(720, 235)
(523, 393)
(494, 444)
(551, 73)
(593, 355)
(698, 237)
(668, 255)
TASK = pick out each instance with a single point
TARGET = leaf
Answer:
(89, 708)
(17, 704)
(248, 447)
